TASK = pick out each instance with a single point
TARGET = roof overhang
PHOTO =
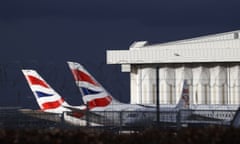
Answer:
(223, 47)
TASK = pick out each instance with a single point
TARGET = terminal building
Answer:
(210, 65)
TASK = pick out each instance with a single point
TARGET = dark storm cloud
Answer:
(152, 12)
(43, 34)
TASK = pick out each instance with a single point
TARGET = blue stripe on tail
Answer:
(87, 91)
(42, 94)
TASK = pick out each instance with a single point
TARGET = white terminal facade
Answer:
(210, 64)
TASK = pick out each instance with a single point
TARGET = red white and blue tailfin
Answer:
(184, 99)
(47, 98)
(93, 94)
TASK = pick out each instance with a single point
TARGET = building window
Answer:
(236, 35)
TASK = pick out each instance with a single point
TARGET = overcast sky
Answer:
(43, 34)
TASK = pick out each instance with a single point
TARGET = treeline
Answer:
(213, 135)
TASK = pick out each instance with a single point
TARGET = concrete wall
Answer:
(208, 84)
(143, 84)
(167, 85)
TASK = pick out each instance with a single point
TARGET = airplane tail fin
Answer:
(47, 98)
(184, 99)
(93, 94)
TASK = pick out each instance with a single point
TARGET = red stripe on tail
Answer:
(99, 102)
(52, 105)
(81, 76)
(35, 81)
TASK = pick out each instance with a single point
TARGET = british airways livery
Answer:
(98, 99)
(47, 98)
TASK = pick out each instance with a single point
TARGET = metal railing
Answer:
(115, 119)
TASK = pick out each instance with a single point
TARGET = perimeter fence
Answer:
(129, 120)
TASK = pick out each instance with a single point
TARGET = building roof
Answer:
(223, 47)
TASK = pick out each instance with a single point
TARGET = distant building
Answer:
(210, 64)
